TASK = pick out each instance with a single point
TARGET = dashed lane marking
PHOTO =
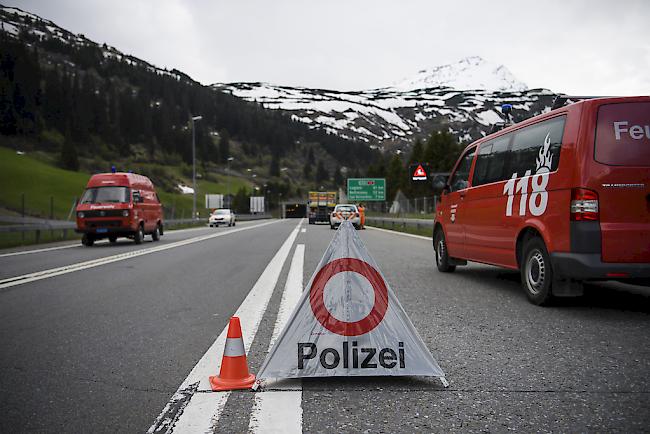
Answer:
(273, 411)
(194, 407)
(45, 274)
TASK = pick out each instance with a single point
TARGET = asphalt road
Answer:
(103, 348)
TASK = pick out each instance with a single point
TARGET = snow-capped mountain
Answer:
(464, 98)
(469, 73)
(16, 21)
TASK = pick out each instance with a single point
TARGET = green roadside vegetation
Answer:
(403, 215)
(39, 183)
(14, 239)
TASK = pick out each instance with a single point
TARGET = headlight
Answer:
(80, 214)
(125, 213)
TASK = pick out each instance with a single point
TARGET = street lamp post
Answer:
(194, 119)
(228, 181)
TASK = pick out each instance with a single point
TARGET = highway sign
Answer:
(419, 172)
(366, 189)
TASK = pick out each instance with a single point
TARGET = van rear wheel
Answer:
(442, 254)
(536, 272)
(156, 233)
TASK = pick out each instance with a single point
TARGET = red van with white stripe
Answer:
(119, 205)
(563, 197)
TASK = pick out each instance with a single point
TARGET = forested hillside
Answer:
(93, 105)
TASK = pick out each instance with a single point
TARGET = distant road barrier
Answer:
(395, 222)
(31, 224)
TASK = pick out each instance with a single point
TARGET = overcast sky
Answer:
(581, 47)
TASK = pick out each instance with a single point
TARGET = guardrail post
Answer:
(22, 213)
(38, 236)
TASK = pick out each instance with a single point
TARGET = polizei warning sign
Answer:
(348, 323)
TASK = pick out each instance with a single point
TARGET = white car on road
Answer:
(344, 212)
(222, 217)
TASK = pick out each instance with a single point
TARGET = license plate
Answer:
(102, 230)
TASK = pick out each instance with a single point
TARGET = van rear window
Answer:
(623, 134)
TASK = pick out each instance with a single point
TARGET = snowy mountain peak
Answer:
(470, 73)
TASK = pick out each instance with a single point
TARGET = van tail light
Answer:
(584, 205)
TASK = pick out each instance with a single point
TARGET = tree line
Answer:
(77, 100)
(439, 152)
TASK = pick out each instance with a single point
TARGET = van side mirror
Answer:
(137, 197)
(446, 189)
(438, 183)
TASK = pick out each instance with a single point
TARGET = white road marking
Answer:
(202, 412)
(76, 244)
(280, 410)
(48, 249)
(45, 274)
(400, 233)
(303, 230)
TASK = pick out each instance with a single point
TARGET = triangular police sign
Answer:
(348, 322)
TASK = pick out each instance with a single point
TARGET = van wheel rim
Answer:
(535, 272)
(440, 251)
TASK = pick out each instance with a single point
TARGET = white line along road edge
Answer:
(404, 234)
(280, 410)
(76, 244)
(31, 277)
(194, 407)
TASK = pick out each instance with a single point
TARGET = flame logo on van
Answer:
(545, 156)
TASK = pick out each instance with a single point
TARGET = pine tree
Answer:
(321, 173)
(441, 151)
(69, 159)
(338, 178)
(395, 176)
(274, 168)
(240, 202)
(306, 171)
(224, 145)
(310, 157)
(417, 153)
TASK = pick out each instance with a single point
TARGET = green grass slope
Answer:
(38, 182)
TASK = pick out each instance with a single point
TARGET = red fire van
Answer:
(119, 205)
(563, 197)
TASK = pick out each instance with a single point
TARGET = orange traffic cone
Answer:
(234, 369)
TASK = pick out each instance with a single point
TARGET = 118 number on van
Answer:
(538, 199)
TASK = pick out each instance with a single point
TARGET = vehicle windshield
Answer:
(222, 212)
(345, 208)
(106, 195)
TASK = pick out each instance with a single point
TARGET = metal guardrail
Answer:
(395, 222)
(31, 224)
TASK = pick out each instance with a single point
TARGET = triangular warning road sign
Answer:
(419, 173)
(348, 322)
